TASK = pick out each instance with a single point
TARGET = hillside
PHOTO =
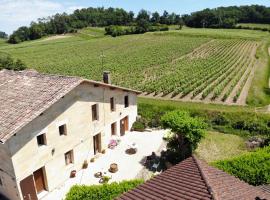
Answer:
(201, 65)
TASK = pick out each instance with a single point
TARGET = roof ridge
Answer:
(209, 188)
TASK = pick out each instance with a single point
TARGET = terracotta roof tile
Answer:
(26, 94)
(193, 179)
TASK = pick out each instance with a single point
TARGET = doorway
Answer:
(97, 143)
(28, 188)
(124, 125)
(39, 180)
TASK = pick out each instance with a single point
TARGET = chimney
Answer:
(107, 77)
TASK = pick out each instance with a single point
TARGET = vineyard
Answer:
(197, 65)
(216, 72)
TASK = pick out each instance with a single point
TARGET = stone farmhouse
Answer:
(50, 124)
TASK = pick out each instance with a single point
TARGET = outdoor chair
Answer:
(155, 166)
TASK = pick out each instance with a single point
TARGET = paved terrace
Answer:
(129, 165)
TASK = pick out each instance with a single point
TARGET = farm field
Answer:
(194, 65)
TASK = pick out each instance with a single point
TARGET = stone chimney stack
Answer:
(107, 77)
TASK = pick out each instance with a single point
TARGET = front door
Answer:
(28, 188)
(97, 143)
(39, 180)
(123, 125)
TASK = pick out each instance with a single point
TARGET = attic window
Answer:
(63, 129)
(41, 140)
(94, 112)
(112, 104)
(126, 102)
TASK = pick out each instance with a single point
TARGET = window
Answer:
(126, 102)
(113, 128)
(69, 157)
(41, 140)
(63, 130)
(94, 112)
(112, 104)
(1, 182)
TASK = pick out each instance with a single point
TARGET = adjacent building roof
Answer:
(26, 94)
(193, 179)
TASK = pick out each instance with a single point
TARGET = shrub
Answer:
(7, 62)
(253, 167)
(138, 126)
(101, 192)
(188, 132)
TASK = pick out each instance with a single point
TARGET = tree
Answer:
(36, 31)
(164, 17)
(143, 15)
(187, 133)
(3, 35)
(142, 26)
(179, 21)
(155, 18)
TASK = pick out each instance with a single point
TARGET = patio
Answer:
(129, 166)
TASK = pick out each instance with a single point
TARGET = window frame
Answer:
(64, 131)
(69, 156)
(112, 104)
(126, 101)
(95, 112)
(44, 139)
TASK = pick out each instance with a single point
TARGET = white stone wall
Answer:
(74, 110)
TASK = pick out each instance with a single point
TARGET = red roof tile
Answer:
(193, 179)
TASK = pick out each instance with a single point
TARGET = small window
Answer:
(126, 102)
(41, 140)
(94, 112)
(112, 104)
(69, 157)
(63, 130)
(113, 129)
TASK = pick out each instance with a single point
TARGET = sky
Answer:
(16, 13)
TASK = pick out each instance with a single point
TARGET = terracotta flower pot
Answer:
(113, 168)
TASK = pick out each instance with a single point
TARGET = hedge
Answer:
(240, 123)
(253, 167)
(101, 192)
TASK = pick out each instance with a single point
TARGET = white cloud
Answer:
(15, 13)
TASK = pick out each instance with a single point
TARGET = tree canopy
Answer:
(3, 35)
(96, 17)
(187, 133)
(227, 17)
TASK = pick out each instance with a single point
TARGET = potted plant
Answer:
(103, 151)
(92, 160)
(73, 174)
(85, 164)
(104, 179)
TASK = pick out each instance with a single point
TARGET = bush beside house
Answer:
(101, 192)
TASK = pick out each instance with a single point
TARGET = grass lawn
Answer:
(218, 146)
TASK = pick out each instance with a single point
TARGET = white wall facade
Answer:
(74, 110)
